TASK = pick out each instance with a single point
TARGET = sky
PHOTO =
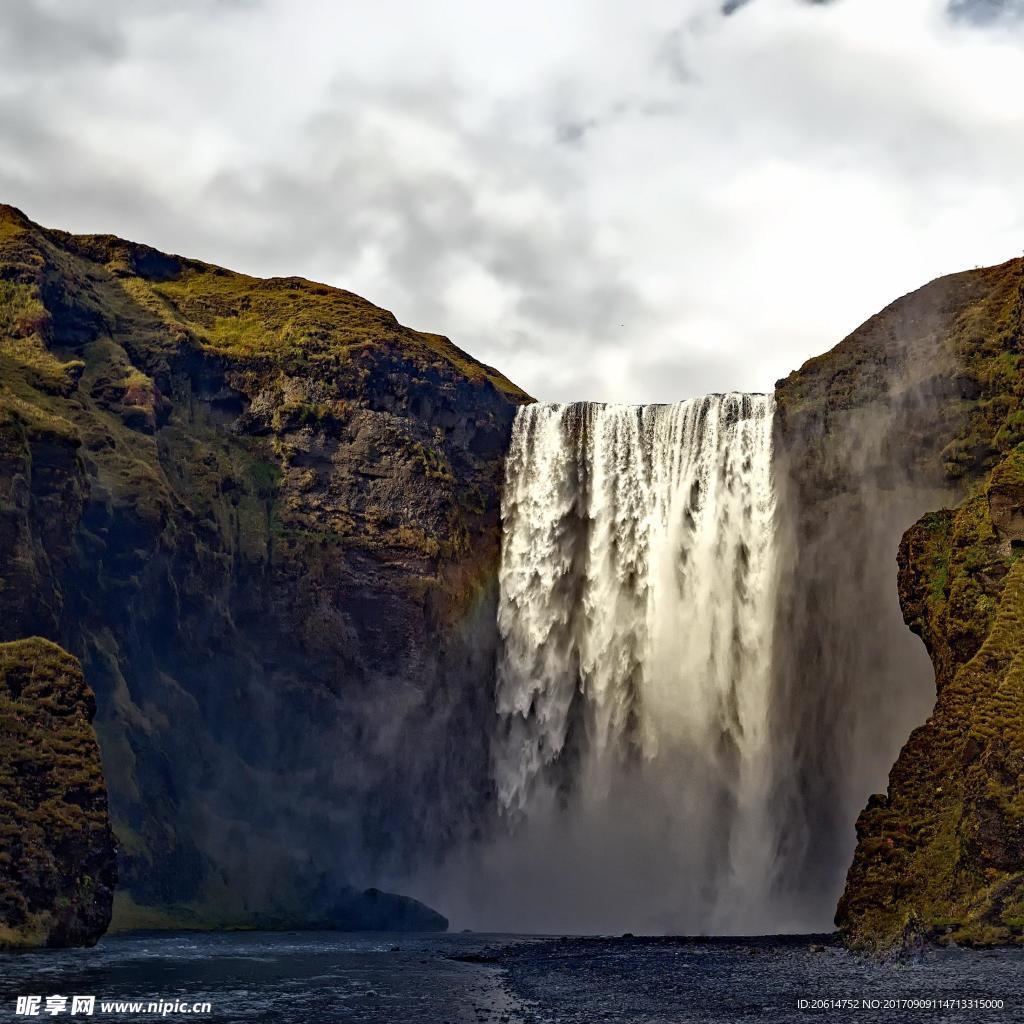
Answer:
(619, 201)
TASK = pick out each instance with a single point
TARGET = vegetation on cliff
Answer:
(265, 516)
(938, 372)
(941, 856)
(57, 856)
(870, 437)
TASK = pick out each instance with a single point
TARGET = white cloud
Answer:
(622, 201)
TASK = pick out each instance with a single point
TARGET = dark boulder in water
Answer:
(375, 911)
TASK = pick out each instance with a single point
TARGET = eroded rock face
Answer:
(265, 516)
(940, 856)
(57, 853)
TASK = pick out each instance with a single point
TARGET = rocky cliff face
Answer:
(907, 415)
(264, 515)
(57, 855)
(940, 856)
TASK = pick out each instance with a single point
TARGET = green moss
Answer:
(433, 462)
(289, 320)
(22, 313)
(317, 415)
(941, 855)
(265, 476)
(33, 419)
(130, 916)
(964, 331)
(937, 856)
(988, 338)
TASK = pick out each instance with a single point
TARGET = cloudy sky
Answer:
(629, 200)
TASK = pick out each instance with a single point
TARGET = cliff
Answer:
(907, 415)
(264, 515)
(906, 438)
(57, 855)
(940, 856)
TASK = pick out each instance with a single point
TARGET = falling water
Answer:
(636, 613)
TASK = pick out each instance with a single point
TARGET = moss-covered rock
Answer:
(57, 854)
(940, 856)
(264, 514)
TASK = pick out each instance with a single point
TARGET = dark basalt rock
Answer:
(57, 853)
(376, 911)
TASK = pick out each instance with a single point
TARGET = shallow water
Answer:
(306, 977)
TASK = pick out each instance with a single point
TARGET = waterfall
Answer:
(636, 608)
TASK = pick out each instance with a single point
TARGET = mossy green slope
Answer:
(265, 516)
(57, 857)
(940, 857)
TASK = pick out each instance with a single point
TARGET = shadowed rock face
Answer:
(264, 515)
(57, 856)
(909, 414)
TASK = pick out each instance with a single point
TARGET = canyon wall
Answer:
(265, 517)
